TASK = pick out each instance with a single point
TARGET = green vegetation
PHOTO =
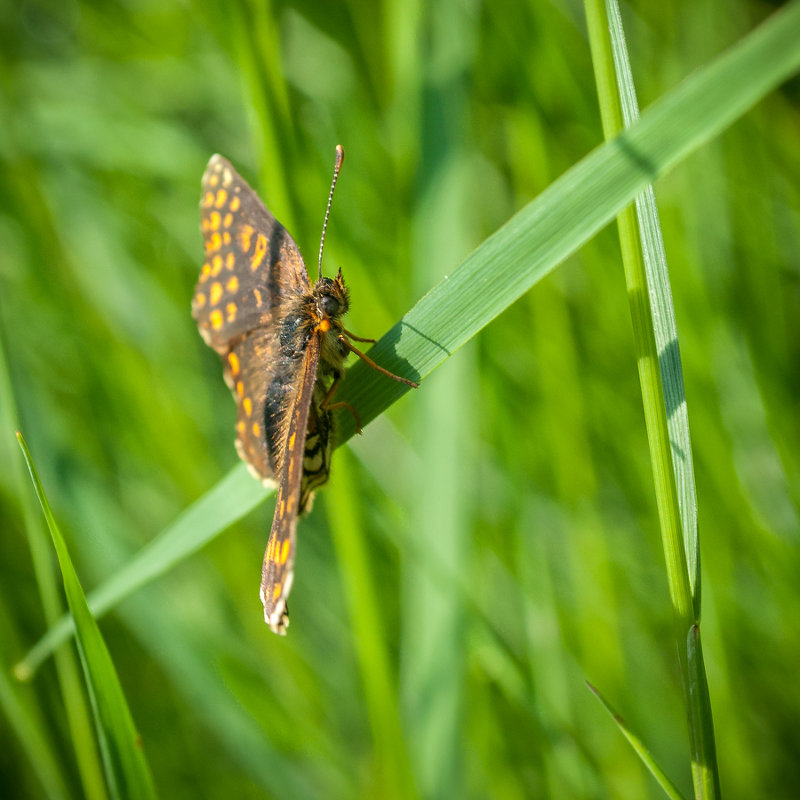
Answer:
(493, 541)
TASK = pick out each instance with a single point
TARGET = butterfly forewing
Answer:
(252, 270)
(278, 569)
(252, 264)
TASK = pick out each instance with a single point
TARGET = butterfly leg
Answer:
(357, 338)
(370, 363)
(326, 403)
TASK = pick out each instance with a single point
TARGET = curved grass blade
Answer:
(661, 380)
(636, 743)
(126, 768)
(226, 502)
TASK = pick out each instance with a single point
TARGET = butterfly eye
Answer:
(329, 305)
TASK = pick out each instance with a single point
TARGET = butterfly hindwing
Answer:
(249, 367)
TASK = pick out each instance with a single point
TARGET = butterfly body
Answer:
(283, 349)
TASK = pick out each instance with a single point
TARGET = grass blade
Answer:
(636, 743)
(127, 772)
(226, 502)
(658, 360)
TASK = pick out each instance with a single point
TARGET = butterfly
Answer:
(283, 349)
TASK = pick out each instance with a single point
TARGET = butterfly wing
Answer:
(253, 268)
(277, 572)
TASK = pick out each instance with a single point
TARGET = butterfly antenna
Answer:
(336, 167)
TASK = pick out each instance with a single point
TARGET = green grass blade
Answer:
(662, 313)
(658, 360)
(705, 771)
(644, 754)
(226, 502)
(572, 209)
(127, 772)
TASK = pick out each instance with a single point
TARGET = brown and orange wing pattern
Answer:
(252, 264)
(252, 268)
(277, 572)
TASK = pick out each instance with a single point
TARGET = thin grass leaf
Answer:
(664, 326)
(127, 772)
(636, 743)
(227, 501)
(705, 770)
(658, 361)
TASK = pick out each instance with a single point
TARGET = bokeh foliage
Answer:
(494, 541)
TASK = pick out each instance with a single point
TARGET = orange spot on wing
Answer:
(247, 404)
(215, 293)
(227, 220)
(213, 243)
(260, 252)
(233, 284)
(214, 220)
(256, 430)
(235, 203)
(244, 236)
(231, 311)
(276, 591)
(216, 265)
(230, 259)
(221, 198)
(284, 554)
(239, 388)
(233, 360)
(216, 319)
(199, 300)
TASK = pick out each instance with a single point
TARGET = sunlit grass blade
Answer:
(226, 502)
(661, 380)
(572, 209)
(127, 772)
(664, 326)
(644, 754)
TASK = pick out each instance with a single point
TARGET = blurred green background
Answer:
(505, 511)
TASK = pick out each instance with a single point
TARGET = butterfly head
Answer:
(331, 297)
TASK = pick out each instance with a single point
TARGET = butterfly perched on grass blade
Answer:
(283, 349)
